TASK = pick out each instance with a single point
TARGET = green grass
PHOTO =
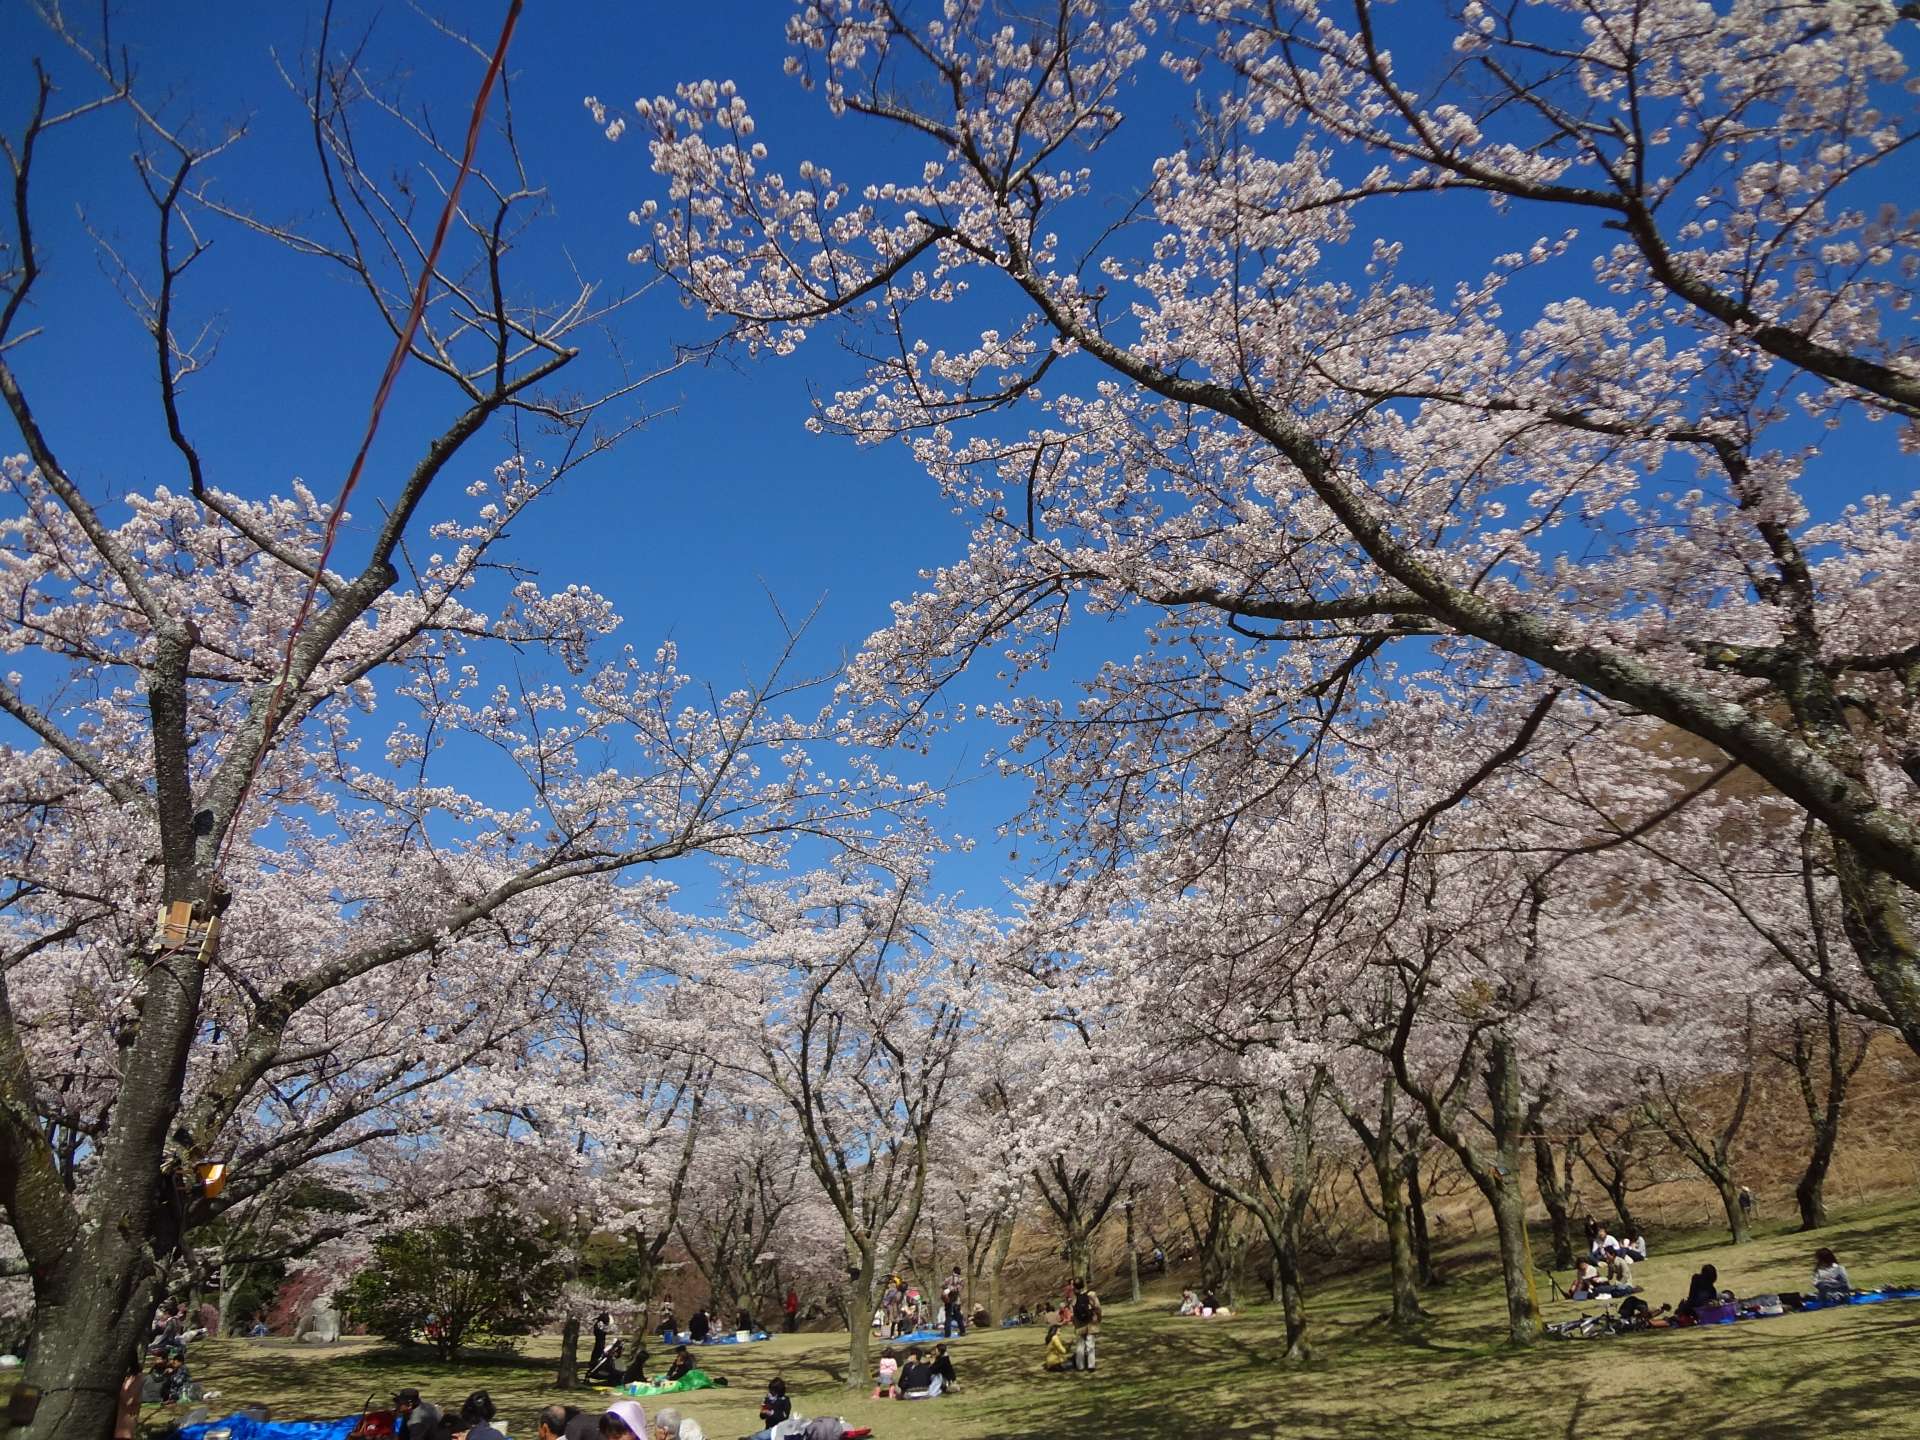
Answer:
(1846, 1372)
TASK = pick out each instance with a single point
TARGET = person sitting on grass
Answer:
(563, 1422)
(682, 1363)
(1057, 1354)
(1702, 1289)
(624, 1420)
(1830, 1280)
(671, 1425)
(637, 1367)
(419, 1417)
(1189, 1303)
(606, 1369)
(698, 1327)
(917, 1380)
(775, 1409)
(943, 1369)
(887, 1380)
(476, 1418)
(1589, 1284)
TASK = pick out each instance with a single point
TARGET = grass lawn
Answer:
(1846, 1372)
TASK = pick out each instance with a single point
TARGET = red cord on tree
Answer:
(402, 345)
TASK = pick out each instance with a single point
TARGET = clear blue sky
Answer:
(681, 526)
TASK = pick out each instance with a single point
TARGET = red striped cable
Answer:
(394, 362)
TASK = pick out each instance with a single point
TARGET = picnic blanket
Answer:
(1732, 1312)
(922, 1337)
(641, 1389)
(245, 1427)
(732, 1337)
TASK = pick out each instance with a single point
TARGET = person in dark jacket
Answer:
(1702, 1289)
(697, 1327)
(773, 1410)
(418, 1417)
(682, 1363)
(602, 1323)
(476, 1418)
(605, 1370)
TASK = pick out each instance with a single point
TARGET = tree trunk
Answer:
(1814, 1049)
(90, 1320)
(1283, 1236)
(1516, 1270)
(1810, 1194)
(569, 1373)
(1079, 1254)
(1405, 1313)
(1133, 1258)
(860, 1318)
(233, 1279)
(1417, 1231)
(1553, 1195)
(996, 1296)
(1736, 1215)
(1500, 1182)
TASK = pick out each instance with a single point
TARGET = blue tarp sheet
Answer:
(245, 1427)
(730, 1338)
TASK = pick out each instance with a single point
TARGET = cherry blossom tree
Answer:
(1224, 386)
(223, 722)
(847, 998)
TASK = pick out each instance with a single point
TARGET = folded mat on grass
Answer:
(246, 1427)
(640, 1389)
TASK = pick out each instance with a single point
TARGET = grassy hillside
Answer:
(1851, 1372)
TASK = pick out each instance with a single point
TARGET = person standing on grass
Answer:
(1086, 1323)
(951, 1320)
(792, 1309)
(1746, 1204)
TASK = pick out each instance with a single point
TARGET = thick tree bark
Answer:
(1376, 1136)
(1821, 1053)
(1711, 1152)
(1417, 1231)
(996, 1292)
(1496, 1176)
(1555, 1190)
(568, 1375)
(1133, 1255)
(860, 1282)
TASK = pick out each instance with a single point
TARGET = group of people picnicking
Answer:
(1203, 1304)
(921, 1374)
(1605, 1272)
(415, 1418)
(903, 1311)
